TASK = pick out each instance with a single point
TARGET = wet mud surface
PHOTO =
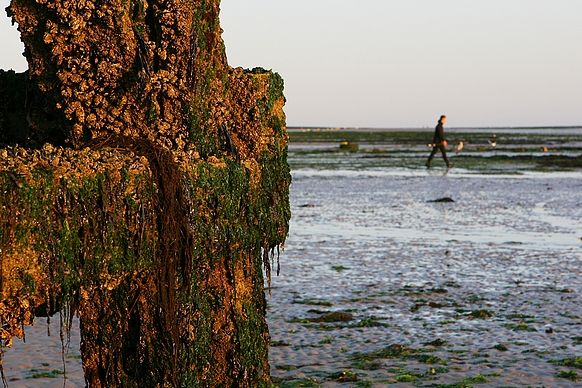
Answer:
(485, 290)
(43, 360)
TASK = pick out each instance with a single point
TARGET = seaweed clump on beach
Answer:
(145, 187)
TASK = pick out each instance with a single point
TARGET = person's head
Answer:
(443, 119)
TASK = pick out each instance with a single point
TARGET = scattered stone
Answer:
(437, 342)
(501, 347)
(313, 302)
(337, 316)
(442, 200)
(391, 351)
(345, 376)
(279, 343)
(481, 314)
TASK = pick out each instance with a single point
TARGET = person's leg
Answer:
(432, 154)
(444, 152)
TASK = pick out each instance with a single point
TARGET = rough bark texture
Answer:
(144, 186)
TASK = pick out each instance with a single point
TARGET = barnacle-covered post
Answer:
(144, 186)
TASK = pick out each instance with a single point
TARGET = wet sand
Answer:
(38, 361)
(485, 290)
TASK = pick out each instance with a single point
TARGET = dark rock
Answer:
(500, 347)
(338, 316)
(481, 314)
(437, 342)
(442, 200)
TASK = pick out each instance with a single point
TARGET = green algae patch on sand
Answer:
(466, 382)
(520, 326)
(297, 383)
(572, 362)
(407, 378)
(313, 302)
(339, 268)
(370, 322)
(53, 374)
(396, 351)
(569, 375)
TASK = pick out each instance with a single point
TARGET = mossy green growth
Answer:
(466, 382)
(520, 326)
(392, 351)
(569, 375)
(275, 91)
(396, 351)
(572, 362)
(234, 216)
(250, 336)
(206, 143)
(303, 383)
(406, 378)
(371, 322)
(71, 220)
(314, 302)
(55, 373)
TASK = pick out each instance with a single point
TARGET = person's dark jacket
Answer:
(439, 134)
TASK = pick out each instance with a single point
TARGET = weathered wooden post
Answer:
(144, 186)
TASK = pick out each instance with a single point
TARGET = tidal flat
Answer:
(483, 290)
(380, 286)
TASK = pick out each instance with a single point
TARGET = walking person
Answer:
(439, 142)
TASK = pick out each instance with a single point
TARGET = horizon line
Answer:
(425, 127)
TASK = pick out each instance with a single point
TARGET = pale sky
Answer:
(402, 63)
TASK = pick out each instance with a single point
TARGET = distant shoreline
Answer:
(573, 129)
